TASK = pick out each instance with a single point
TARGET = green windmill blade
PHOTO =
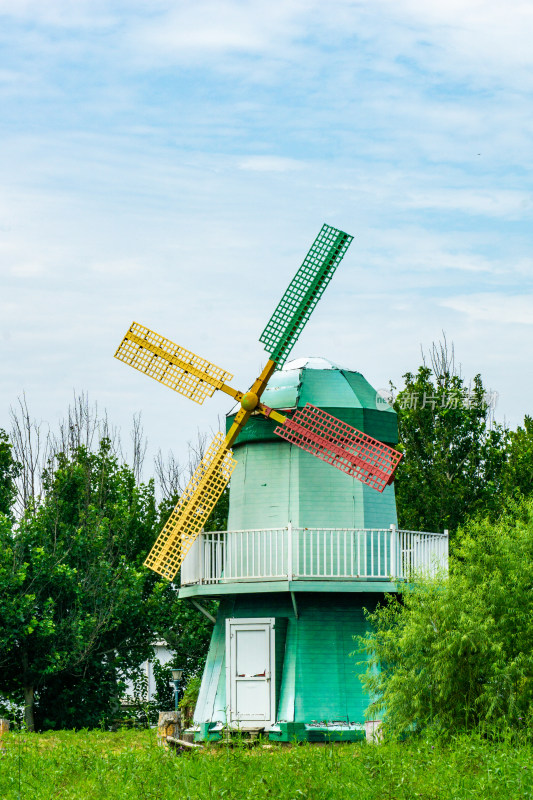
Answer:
(303, 293)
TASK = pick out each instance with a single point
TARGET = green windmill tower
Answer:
(307, 546)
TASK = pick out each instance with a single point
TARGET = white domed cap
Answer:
(310, 362)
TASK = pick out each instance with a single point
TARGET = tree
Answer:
(78, 610)
(453, 451)
(187, 631)
(454, 653)
(518, 471)
(9, 472)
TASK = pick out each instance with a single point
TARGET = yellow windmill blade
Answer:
(194, 507)
(203, 491)
(172, 365)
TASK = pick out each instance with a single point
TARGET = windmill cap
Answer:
(311, 362)
(344, 393)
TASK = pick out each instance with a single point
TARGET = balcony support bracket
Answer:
(204, 611)
(293, 598)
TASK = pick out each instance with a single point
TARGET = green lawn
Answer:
(129, 764)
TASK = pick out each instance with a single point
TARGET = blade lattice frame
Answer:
(170, 364)
(304, 292)
(194, 507)
(342, 446)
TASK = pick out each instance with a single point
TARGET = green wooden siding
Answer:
(275, 483)
(320, 678)
(211, 704)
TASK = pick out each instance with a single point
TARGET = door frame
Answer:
(250, 623)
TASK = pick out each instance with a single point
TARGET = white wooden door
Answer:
(250, 659)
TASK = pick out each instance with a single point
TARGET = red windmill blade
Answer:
(342, 446)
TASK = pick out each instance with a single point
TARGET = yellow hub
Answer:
(249, 401)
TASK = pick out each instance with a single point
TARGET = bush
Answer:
(454, 653)
(188, 701)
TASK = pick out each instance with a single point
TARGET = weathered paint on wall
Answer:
(320, 676)
(275, 483)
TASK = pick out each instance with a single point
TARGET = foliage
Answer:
(118, 766)
(164, 688)
(77, 609)
(188, 633)
(135, 709)
(518, 470)
(186, 630)
(455, 653)
(9, 471)
(190, 697)
(453, 454)
(218, 519)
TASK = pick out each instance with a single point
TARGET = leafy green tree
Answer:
(9, 471)
(164, 687)
(188, 633)
(453, 452)
(454, 653)
(518, 471)
(189, 699)
(78, 610)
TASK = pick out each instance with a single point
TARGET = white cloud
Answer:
(62, 13)
(119, 267)
(478, 42)
(490, 203)
(208, 27)
(499, 308)
(270, 164)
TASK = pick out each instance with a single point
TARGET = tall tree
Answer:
(78, 611)
(518, 471)
(453, 451)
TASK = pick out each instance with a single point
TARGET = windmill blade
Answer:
(304, 292)
(337, 443)
(194, 507)
(172, 365)
(202, 493)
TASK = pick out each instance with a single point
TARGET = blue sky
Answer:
(171, 163)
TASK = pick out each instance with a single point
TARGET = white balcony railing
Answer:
(313, 554)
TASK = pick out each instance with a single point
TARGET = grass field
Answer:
(129, 764)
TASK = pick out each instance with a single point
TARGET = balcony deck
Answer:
(310, 559)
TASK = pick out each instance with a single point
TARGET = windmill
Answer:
(308, 547)
(312, 429)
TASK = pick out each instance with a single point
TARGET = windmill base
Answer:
(286, 664)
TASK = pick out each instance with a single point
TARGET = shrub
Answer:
(454, 653)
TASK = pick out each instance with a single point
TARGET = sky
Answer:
(172, 162)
